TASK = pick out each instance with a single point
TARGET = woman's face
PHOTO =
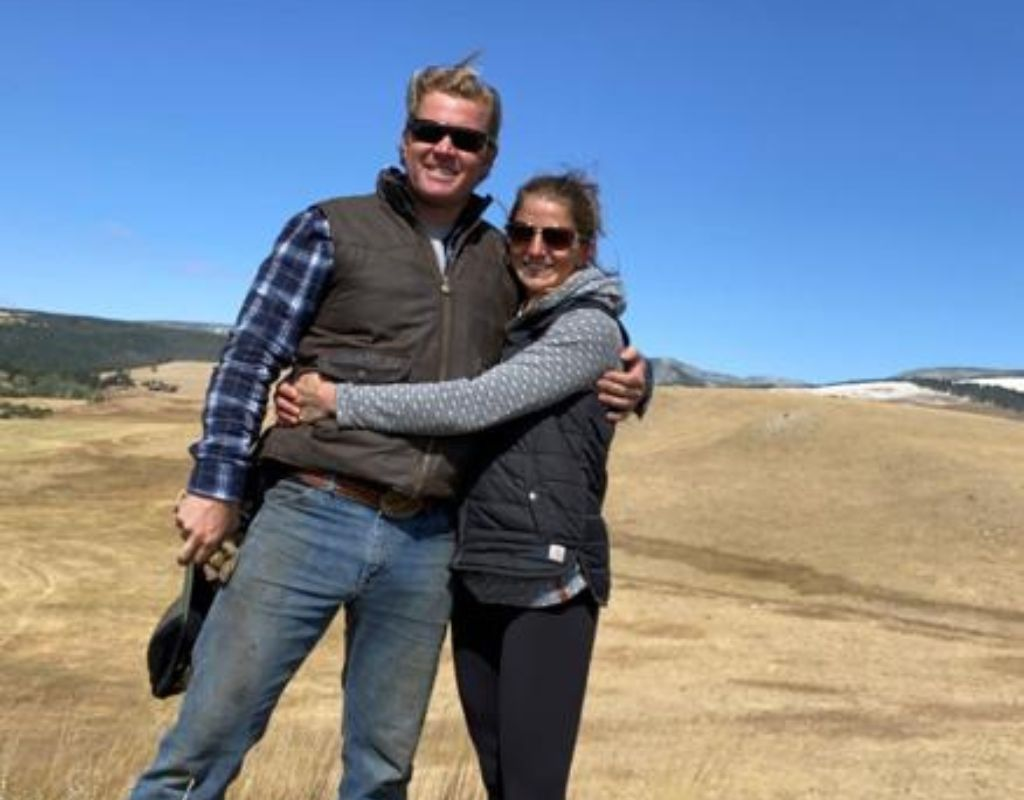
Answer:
(543, 245)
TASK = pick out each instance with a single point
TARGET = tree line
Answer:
(989, 394)
(59, 355)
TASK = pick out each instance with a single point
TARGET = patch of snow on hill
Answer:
(895, 391)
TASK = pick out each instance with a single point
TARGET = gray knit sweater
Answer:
(571, 354)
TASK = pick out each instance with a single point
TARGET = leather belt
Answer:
(389, 502)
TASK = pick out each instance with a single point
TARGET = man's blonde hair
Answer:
(458, 80)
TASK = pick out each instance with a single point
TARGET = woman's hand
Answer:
(307, 398)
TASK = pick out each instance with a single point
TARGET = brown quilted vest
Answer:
(389, 315)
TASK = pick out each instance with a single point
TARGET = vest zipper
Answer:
(455, 246)
(446, 335)
(446, 326)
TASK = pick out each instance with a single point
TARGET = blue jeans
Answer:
(307, 553)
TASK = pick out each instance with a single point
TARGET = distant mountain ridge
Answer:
(957, 373)
(672, 372)
(33, 342)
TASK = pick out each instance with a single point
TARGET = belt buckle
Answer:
(397, 505)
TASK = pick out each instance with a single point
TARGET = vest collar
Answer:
(393, 188)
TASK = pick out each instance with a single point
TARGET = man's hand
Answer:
(308, 398)
(622, 390)
(203, 523)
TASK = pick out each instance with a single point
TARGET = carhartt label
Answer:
(556, 553)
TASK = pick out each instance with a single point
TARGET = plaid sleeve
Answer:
(277, 310)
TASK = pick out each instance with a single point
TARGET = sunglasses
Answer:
(430, 132)
(521, 235)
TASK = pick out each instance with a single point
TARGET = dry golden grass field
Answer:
(814, 598)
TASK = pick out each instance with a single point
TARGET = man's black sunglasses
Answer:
(521, 235)
(430, 132)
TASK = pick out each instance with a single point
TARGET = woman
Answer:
(531, 566)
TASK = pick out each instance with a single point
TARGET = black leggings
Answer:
(522, 674)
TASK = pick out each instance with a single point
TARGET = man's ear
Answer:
(492, 154)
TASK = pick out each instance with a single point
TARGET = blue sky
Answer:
(810, 189)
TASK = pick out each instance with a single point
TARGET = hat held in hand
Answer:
(169, 654)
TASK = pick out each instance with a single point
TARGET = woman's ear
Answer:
(587, 252)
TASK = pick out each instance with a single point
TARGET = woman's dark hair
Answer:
(577, 192)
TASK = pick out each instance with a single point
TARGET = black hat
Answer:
(169, 654)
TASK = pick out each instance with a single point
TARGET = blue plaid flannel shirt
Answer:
(279, 306)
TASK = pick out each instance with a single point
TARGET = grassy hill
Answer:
(59, 354)
(814, 597)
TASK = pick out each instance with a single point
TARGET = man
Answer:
(407, 284)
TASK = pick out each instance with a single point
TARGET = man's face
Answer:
(442, 176)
